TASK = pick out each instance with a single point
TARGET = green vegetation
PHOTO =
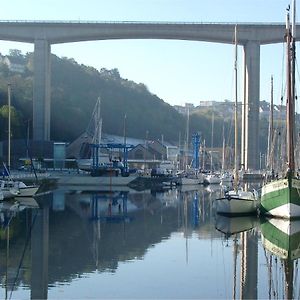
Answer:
(75, 89)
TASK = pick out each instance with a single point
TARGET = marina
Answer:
(172, 241)
(111, 189)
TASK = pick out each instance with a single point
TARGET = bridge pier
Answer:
(250, 108)
(41, 90)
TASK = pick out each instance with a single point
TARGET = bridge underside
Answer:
(43, 34)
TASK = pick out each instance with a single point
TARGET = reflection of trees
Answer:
(79, 245)
(72, 237)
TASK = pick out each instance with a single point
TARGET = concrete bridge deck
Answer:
(45, 33)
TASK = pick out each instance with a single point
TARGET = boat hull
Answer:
(281, 198)
(236, 206)
(28, 191)
(238, 203)
(189, 181)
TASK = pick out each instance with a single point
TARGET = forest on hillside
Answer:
(74, 92)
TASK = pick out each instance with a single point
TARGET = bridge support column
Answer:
(250, 124)
(41, 90)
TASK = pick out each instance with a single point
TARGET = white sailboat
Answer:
(237, 201)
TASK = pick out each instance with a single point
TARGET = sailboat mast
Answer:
(293, 47)
(235, 114)
(223, 152)
(212, 138)
(9, 125)
(290, 99)
(271, 121)
(187, 138)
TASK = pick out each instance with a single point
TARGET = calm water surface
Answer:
(135, 245)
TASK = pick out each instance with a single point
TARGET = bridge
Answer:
(43, 34)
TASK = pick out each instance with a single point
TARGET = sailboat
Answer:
(94, 132)
(281, 197)
(237, 202)
(13, 188)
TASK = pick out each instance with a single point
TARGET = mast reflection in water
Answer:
(130, 244)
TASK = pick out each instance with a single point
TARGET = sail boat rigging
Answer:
(281, 198)
(226, 177)
(94, 133)
(237, 201)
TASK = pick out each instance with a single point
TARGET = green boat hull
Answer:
(281, 198)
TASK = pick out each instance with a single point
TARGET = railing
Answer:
(139, 22)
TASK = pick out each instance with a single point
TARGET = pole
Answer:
(235, 116)
(9, 125)
(125, 150)
(270, 136)
(290, 100)
(187, 138)
(27, 141)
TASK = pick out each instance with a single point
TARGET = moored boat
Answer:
(281, 197)
(25, 190)
(190, 178)
(237, 201)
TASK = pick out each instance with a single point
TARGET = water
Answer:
(137, 245)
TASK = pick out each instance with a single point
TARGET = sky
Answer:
(176, 71)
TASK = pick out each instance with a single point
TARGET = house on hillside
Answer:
(14, 64)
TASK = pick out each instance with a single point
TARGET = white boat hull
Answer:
(189, 181)
(237, 203)
(28, 191)
(88, 182)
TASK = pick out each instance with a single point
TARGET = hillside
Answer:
(75, 89)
